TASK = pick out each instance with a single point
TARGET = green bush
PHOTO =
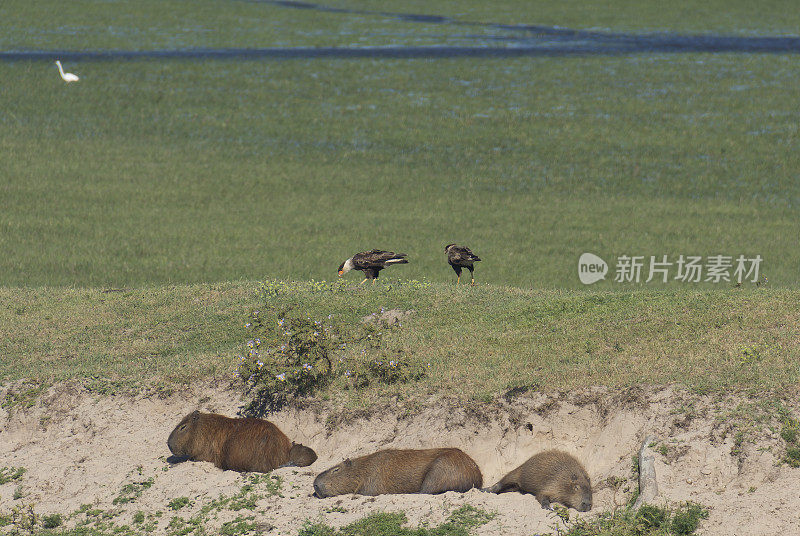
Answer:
(290, 355)
(51, 521)
(287, 357)
(687, 518)
(649, 520)
(652, 517)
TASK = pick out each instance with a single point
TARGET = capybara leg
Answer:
(501, 487)
(544, 500)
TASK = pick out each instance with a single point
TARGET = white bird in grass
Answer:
(67, 77)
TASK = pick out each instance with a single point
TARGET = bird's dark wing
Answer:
(458, 254)
(375, 258)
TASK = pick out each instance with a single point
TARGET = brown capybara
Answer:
(552, 476)
(236, 444)
(401, 471)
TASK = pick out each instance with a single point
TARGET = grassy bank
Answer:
(479, 341)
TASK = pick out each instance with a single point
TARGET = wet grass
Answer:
(479, 341)
(86, 24)
(153, 172)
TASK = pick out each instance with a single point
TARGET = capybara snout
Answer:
(401, 471)
(237, 444)
(180, 440)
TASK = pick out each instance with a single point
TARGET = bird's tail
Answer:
(399, 259)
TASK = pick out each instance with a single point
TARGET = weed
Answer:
(792, 456)
(52, 521)
(687, 517)
(681, 520)
(23, 519)
(179, 502)
(238, 526)
(332, 509)
(9, 474)
(790, 430)
(24, 395)
(131, 492)
(460, 523)
(470, 517)
(652, 517)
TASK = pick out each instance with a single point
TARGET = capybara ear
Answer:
(195, 415)
(348, 462)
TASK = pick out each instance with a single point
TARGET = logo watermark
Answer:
(684, 268)
(591, 268)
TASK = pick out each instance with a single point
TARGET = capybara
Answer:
(237, 444)
(401, 471)
(301, 455)
(552, 476)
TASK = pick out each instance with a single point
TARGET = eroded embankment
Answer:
(78, 449)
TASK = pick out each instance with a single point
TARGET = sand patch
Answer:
(81, 449)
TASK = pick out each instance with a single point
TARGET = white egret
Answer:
(67, 77)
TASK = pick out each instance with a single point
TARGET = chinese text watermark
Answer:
(684, 268)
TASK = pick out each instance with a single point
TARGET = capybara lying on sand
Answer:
(401, 471)
(236, 444)
(552, 476)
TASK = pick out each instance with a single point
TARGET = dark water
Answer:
(526, 40)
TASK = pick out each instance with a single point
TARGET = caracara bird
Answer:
(371, 263)
(461, 257)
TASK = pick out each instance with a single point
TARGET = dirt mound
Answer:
(110, 452)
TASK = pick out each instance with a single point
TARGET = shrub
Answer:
(687, 517)
(289, 355)
(51, 521)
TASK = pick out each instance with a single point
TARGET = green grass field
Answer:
(191, 171)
